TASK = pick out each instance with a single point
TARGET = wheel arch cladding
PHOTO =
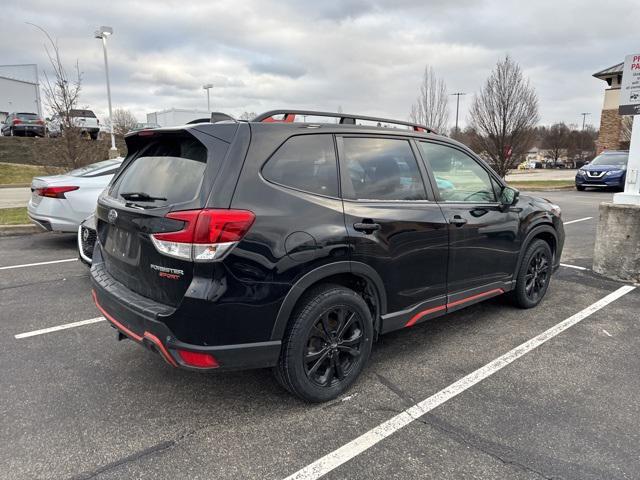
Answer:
(354, 275)
(544, 231)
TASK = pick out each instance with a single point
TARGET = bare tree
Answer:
(431, 107)
(504, 115)
(555, 140)
(123, 121)
(247, 116)
(61, 94)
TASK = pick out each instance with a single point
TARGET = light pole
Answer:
(457, 94)
(208, 87)
(102, 33)
(584, 118)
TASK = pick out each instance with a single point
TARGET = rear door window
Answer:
(380, 169)
(169, 169)
(305, 162)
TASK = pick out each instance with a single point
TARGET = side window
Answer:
(305, 162)
(381, 169)
(459, 178)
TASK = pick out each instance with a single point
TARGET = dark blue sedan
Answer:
(607, 170)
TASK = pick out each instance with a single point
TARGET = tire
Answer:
(537, 257)
(579, 188)
(332, 330)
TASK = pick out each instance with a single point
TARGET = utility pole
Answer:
(457, 95)
(584, 118)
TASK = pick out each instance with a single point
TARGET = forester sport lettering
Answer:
(274, 243)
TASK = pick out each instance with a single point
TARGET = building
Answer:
(19, 90)
(611, 131)
(176, 116)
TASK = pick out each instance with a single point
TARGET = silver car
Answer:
(60, 202)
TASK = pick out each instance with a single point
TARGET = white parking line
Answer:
(578, 220)
(357, 446)
(39, 263)
(60, 327)
(573, 266)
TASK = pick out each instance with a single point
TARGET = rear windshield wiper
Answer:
(140, 196)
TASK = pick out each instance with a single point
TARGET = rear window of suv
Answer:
(82, 113)
(170, 168)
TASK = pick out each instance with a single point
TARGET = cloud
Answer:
(363, 55)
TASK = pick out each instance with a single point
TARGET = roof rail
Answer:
(289, 116)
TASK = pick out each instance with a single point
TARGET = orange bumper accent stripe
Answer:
(117, 324)
(134, 336)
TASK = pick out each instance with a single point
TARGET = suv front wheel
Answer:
(534, 275)
(327, 344)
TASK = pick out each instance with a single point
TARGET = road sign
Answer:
(630, 88)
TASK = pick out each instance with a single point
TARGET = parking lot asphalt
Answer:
(77, 404)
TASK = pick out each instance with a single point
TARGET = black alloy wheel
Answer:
(537, 275)
(334, 345)
(327, 343)
(534, 275)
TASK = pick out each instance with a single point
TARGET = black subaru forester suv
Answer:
(274, 243)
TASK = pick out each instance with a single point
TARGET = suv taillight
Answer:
(207, 234)
(54, 192)
(17, 121)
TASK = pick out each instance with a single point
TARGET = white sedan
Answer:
(60, 202)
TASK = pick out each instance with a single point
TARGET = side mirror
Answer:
(509, 196)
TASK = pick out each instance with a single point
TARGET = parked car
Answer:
(60, 202)
(84, 119)
(294, 245)
(144, 126)
(87, 239)
(23, 124)
(607, 170)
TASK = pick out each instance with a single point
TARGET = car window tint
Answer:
(459, 178)
(381, 169)
(171, 168)
(306, 162)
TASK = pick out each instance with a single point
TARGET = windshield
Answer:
(27, 116)
(614, 159)
(94, 167)
(82, 113)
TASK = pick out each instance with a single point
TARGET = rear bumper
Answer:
(29, 130)
(53, 215)
(139, 319)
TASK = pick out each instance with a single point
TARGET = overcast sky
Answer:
(365, 56)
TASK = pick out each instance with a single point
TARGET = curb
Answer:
(544, 189)
(14, 185)
(12, 230)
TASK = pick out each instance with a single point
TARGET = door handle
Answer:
(366, 227)
(458, 221)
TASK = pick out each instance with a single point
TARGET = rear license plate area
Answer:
(123, 245)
